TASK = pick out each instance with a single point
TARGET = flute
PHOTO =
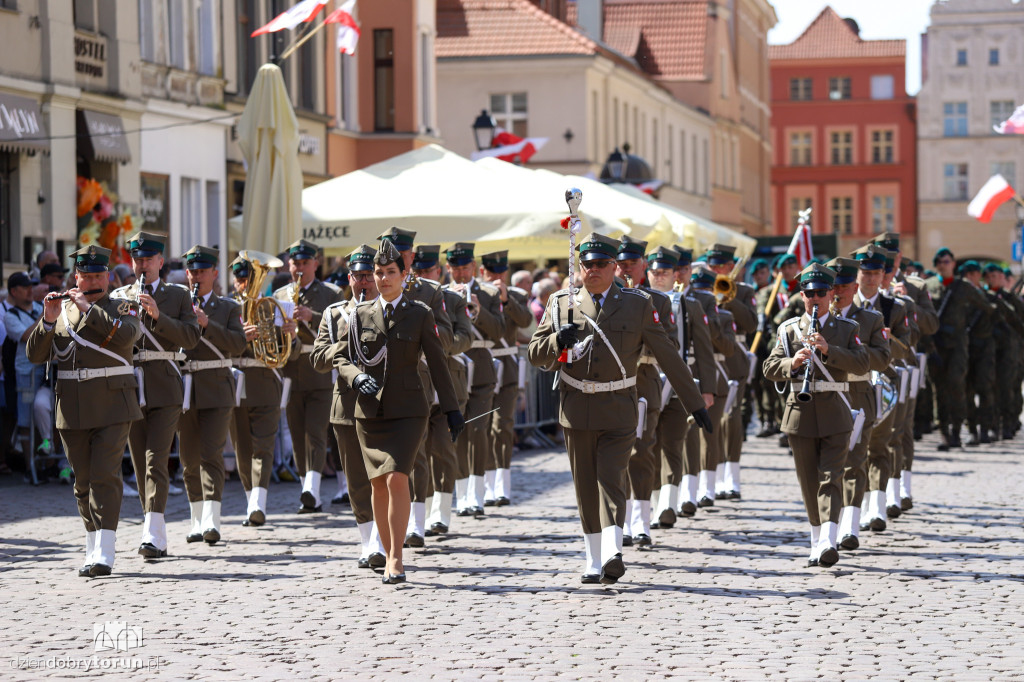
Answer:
(67, 294)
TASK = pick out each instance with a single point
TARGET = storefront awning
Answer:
(101, 136)
(21, 125)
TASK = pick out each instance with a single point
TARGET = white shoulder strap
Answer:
(89, 344)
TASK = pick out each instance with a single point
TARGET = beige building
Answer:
(973, 77)
(539, 77)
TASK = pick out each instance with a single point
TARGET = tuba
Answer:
(724, 287)
(271, 345)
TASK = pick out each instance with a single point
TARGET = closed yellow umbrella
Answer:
(268, 135)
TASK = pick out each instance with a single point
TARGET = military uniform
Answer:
(819, 429)
(161, 394)
(498, 476)
(209, 398)
(309, 400)
(333, 326)
(981, 366)
(488, 332)
(598, 399)
(97, 399)
(1007, 333)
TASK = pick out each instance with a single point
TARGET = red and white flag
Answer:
(303, 11)
(348, 29)
(650, 187)
(1013, 125)
(993, 194)
(508, 146)
(801, 245)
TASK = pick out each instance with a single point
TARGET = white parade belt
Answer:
(152, 355)
(826, 386)
(248, 362)
(859, 377)
(648, 360)
(200, 365)
(307, 348)
(596, 386)
(98, 373)
(482, 344)
(720, 357)
(501, 352)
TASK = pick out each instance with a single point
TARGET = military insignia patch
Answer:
(705, 319)
(656, 318)
(885, 334)
(857, 339)
(126, 308)
(672, 318)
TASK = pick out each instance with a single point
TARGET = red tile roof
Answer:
(501, 28)
(830, 37)
(668, 38)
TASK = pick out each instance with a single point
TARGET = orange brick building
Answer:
(844, 134)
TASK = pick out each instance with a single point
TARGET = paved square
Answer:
(940, 595)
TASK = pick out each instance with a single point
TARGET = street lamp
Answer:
(483, 130)
(616, 164)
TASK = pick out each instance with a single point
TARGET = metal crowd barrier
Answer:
(539, 404)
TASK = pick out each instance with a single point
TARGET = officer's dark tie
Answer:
(867, 305)
(597, 301)
(149, 289)
(388, 313)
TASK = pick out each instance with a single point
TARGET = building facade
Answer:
(973, 77)
(844, 134)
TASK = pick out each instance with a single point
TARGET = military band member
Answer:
(441, 459)
(379, 358)
(333, 326)
(309, 401)
(498, 475)
(694, 337)
(169, 327)
(861, 395)
(598, 399)
(485, 310)
(981, 365)
(819, 430)
(209, 389)
(257, 416)
(1007, 333)
(721, 258)
(91, 336)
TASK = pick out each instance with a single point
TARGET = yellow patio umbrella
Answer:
(268, 135)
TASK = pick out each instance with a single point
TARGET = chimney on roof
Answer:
(852, 23)
(590, 18)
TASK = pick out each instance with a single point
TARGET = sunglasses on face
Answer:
(816, 293)
(595, 264)
(361, 278)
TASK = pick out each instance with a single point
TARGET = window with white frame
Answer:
(800, 149)
(882, 86)
(841, 147)
(882, 207)
(1008, 169)
(954, 176)
(881, 146)
(839, 88)
(954, 119)
(510, 112)
(1000, 110)
(800, 89)
(842, 215)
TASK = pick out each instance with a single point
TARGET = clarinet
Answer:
(805, 395)
(195, 295)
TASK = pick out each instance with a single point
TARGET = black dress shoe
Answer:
(490, 503)
(194, 537)
(643, 540)
(478, 512)
(784, 441)
(984, 438)
(721, 495)
(307, 499)
(363, 563)
(666, 519)
(942, 447)
(97, 570)
(906, 504)
(257, 518)
(467, 511)
(811, 563)
(828, 558)
(377, 560)
(504, 501)
(706, 502)
(849, 542)
(954, 442)
(211, 536)
(877, 525)
(150, 551)
(397, 578)
(437, 528)
(766, 431)
(590, 579)
(340, 499)
(688, 509)
(893, 511)
(612, 570)
(627, 540)
(973, 441)
(734, 495)
(310, 510)
(413, 540)
(86, 571)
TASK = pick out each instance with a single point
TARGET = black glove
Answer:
(365, 384)
(703, 419)
(567, 336)
(456, 423)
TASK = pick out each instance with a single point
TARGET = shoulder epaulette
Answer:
(656, 291)
(849, 321)
(636, 292)
(421, 304)
(180, 286)
(519, 291)
(790, 321)
(429, 281)
(337, 304)
(228, 299)
(561, 292)
(332, 286)
(488, 288)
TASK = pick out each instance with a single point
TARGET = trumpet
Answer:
(410, 279)
(805, 395)
(833, 307)
(296, 291)
(724, 287)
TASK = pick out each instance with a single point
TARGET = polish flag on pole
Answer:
(650, 187)
(348, 29)
(1013, 125)
(993, 194)
(801, 245)
(304, 11)
(508, 146)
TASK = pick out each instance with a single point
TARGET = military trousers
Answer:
(981, 385)
(441, 457)
(704, 450)
(598, 460)
(201, 438)
(949, 384)
(474, 445)
(308, 414)
(641, 469)
(419, 478)
(907, 436)
(503, 423)
(819, 466)
(95, 456)
(254, 431)
(149, 441)
(671, 442)
(359, 489)
(732, 427)
(855, 472)
(880, 459)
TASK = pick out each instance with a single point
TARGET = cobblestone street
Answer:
(724, 595)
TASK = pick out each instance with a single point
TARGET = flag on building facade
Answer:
(348, 29)
(1013, 125)
(303, 11)
(993, 194)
